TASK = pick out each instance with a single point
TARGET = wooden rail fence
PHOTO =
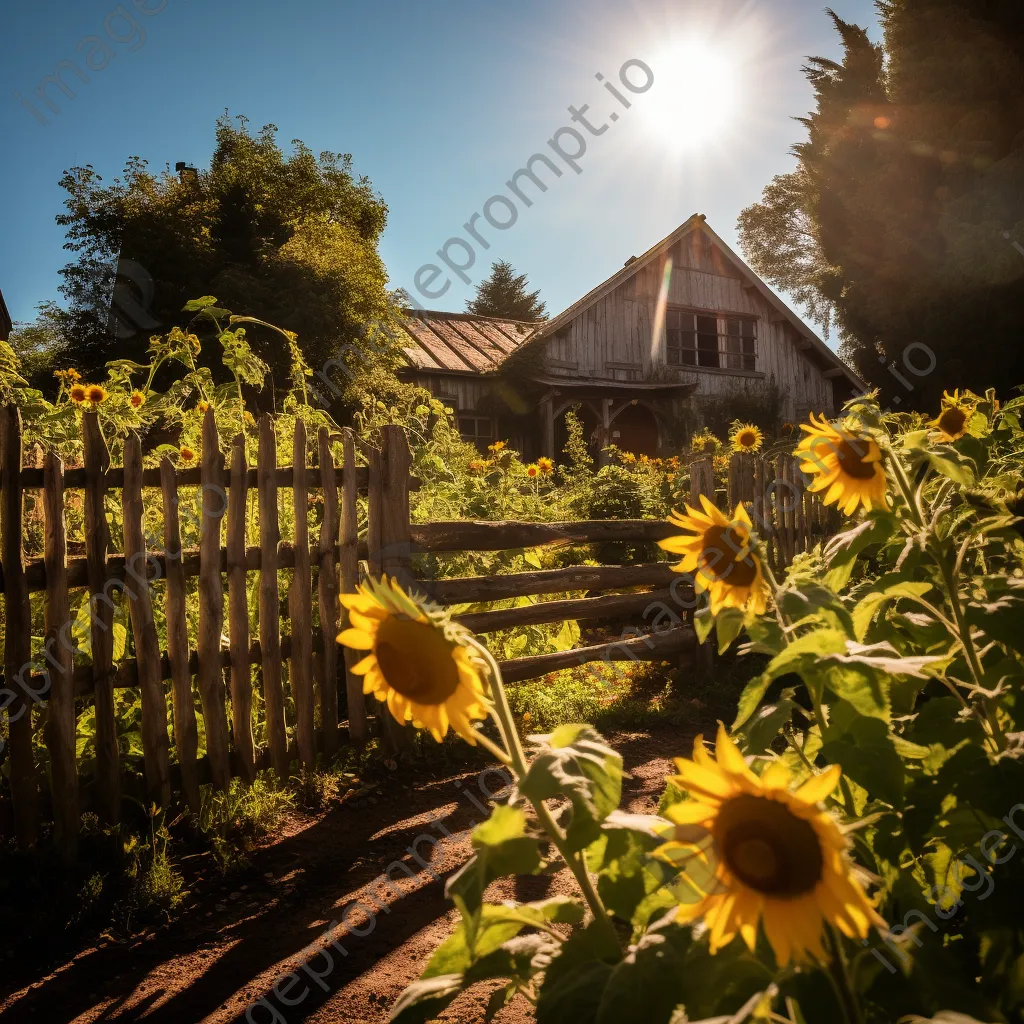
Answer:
(326, 701)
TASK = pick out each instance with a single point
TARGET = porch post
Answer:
(606, 429)
(547, 413)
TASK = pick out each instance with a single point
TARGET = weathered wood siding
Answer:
(612, 340)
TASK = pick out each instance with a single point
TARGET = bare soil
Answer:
(313, 931)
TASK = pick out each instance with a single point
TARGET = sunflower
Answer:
(137, 400)
(774, 855)
(545, 465)
(533, 472)
(417, 659)
(186, 454)
(497, 447)
(718, 554)
(954, 415)
(846, 464)
(628, 458)
(202, 407)
(745, 437)
(95, 394)
(78, 394)
(69, 376)
(477, 465)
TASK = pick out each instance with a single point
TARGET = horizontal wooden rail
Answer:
(78, 567)
(126, 675)
(481, 589)
(655, 647)
(458, 535)
(190, 477)
(616, 606)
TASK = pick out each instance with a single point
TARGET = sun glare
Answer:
(695, 97)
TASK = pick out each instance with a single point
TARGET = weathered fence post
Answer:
(702, 481)
(186, 732)
(238, 615)
(270, 610)
(211, 605)
(147, 643)
(300, 606)
(101, 621)
(17, 634)
(349, 565)
(60, 719)
(327, 598)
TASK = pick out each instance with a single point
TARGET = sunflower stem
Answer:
(517, 761)
(493, 748)
(839, 973)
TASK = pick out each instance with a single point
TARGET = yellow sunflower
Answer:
(186, 454)
(497, 446)
(533, 472)
(846, 464)
(78, 394)
(769, 854)
(954, 415)
(718, 554)
(95, 394)
(545, 465)
(745, 437)
(137, 400)
(417, 660)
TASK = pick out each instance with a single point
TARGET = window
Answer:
(739, 344)
(696, 339)
(479, 430)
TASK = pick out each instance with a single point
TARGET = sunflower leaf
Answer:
(424, 999)
(502, 848)
(890, 587)
(574, 761)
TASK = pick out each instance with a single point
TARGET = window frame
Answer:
(735, 340)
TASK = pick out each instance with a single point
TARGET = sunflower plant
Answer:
(831, 858)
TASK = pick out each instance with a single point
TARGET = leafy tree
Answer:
(43, 346)
(290, 237)
(504, 294)
(898, 224)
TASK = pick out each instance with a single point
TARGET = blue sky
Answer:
(439, 104)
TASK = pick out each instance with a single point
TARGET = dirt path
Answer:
(332, 921)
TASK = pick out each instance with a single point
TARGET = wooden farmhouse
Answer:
(684, 336)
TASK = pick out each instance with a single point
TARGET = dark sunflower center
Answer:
(852, 452)
(768, 848)
(718, 557)
(952, 421)
(416, 660)
(747, 438)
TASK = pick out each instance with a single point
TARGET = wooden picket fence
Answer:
(318, 672)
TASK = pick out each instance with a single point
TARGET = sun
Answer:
(695, 97)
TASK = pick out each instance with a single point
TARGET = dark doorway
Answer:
(635, 430)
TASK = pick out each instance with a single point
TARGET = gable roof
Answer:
(460, 342)
(811, 342)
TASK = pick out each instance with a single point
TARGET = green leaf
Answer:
(425, 999)
(645, 986)
(750, 698)
(703, 623)
(495, 925)
(502, 848)
(842, 550)
(1002, 619)
(867, 754)
(862, 686)
(575, 981)
(768, 721)
(194, 305)
(575, 761)
(806, 650)
(890, 587)
(949, 463)
(728, 624)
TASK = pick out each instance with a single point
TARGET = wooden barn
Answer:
(684, 336)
